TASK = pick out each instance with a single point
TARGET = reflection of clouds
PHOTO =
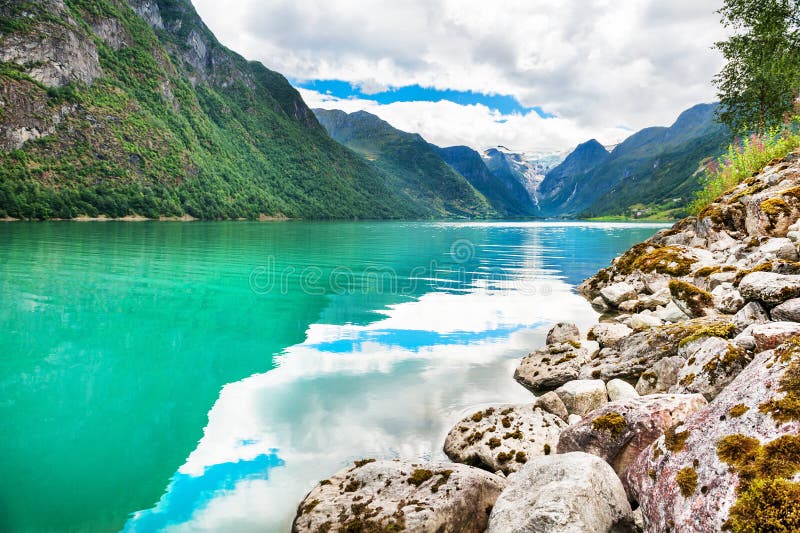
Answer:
(391, 388)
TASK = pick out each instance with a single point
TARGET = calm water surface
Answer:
(204, 376)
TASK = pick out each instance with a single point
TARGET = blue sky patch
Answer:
(505, 104)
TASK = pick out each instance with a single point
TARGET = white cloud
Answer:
(446, 123)
(594, 63)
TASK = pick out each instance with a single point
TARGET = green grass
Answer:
(744, 159)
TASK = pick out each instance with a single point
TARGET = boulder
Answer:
(727, 464)
(727, 299)
(710, 368)
(570, 493)
(401, 495)
(788, 311)
(639, 352)
(655, 300)
(661, 376)
(780, 247)
(771, 334)
(564, 333)
(503, 437)
(620, 390)
(752, 313)
(770, 288)
(617, 293)
(643, 321)
(608, 334)
(618, 431)
(692, 300)
(582, 395)
(551, 403)
(550, 367)
(670, 313)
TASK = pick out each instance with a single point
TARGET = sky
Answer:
(533, 75)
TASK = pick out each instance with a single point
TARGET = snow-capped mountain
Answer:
(528, 168)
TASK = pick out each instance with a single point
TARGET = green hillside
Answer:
(412, 167)
(105, 113)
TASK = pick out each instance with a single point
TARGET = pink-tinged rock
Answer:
(619, 441)
(401, 495)
(692, 449)
(771, 334)
(710, 367)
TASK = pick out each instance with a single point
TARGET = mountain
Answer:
(114, 107)
(560, 185)
(528, 169)
(412, 168)
(655, 170)
(506, 194)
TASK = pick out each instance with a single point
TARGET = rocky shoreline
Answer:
(679, 411)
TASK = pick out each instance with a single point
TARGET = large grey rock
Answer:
(710, 368)
(550, 367)
(771, 334)
(617, 293)
(400, 495)
(620, 390)
(503, 437)
(570, 493)
(780, 247)
(788, 311)
(770, 288)
(752, 313)
(608, 334)
(661, 377)
(688, 480)
(618, 431)
(582, 395)
(551, 402)
(564, 333)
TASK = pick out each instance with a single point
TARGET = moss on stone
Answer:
(612, 422)
(521, 457)
(567, 357)
(686, 479)
(668, 260)
(514, 435)
(420, 476)
(506, 422)
(687, 380)
(444, 477)
(363, 462)
(775, 207)
(504, 457)
(546, 449)
(674, 441)
(738, 410)
(723, 330)
(477, 417)
(763, 267)
(766, 501)
(493, 443)
(786, 408)
(696, 299)
(650, 377)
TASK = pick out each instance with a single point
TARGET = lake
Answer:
(205, 376)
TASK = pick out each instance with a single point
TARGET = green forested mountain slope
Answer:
(412, 167)
(654, 170)
(112, 107)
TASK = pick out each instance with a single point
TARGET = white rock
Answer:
(567, 493)
(642, 321)
(769, 287)
(750, 314)
(620, 390)
(583, 395)
(718, 278)
(662, 376)
(563, 332)
(617, 293)
(574, 419)
(670, 313)
(788, 311)
(727, 299)
(781, 248)
(609, 333)
(793, 236)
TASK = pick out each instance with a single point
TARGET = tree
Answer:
(759, 84)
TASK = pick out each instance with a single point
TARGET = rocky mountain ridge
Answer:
(678, 411)
(119, 108)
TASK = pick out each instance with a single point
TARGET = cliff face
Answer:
(117, 108)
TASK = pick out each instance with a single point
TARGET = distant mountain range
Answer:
(654, 172)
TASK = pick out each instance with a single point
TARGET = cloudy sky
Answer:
(528, 74)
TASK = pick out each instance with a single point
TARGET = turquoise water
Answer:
(204, 376)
